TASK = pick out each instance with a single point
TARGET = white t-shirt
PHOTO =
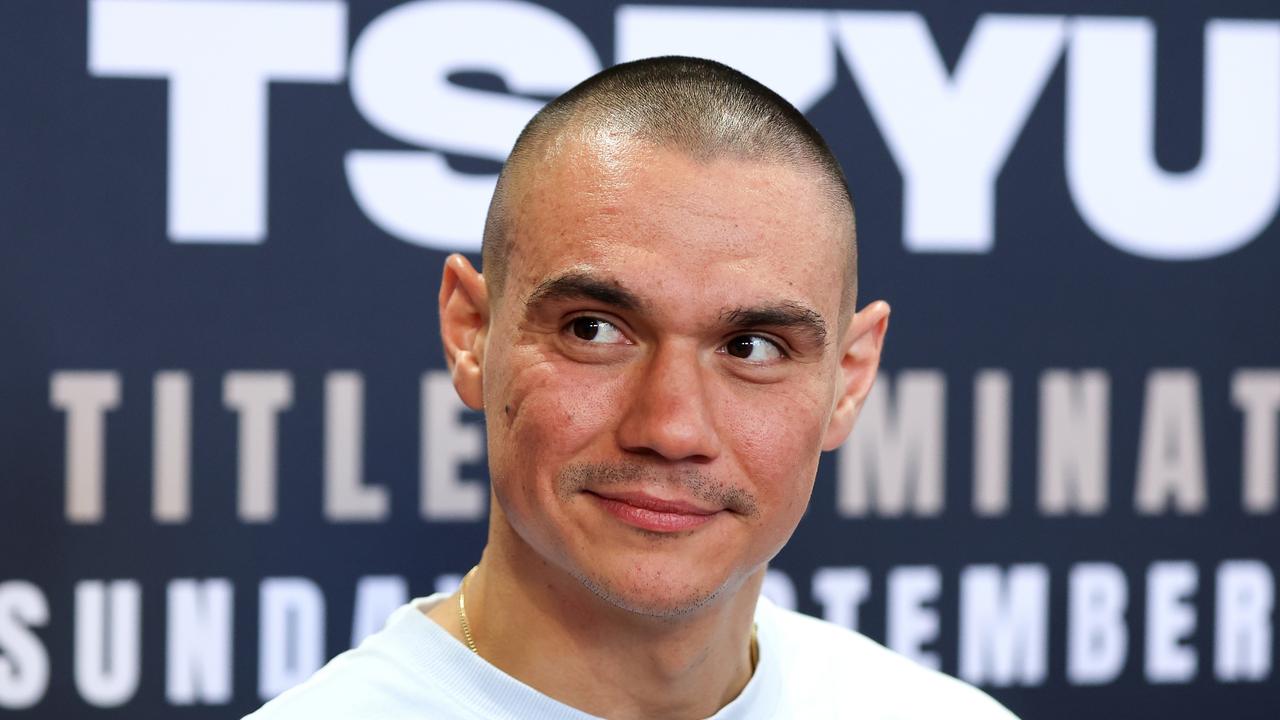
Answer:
(808, 669)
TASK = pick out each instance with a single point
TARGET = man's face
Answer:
(661, 367)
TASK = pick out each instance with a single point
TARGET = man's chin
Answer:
(653, 595)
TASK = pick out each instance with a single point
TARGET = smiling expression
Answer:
(662, 365)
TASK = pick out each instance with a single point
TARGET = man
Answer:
(663, 342)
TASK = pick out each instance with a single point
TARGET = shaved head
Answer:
(699, 107)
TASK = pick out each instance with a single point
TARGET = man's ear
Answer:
(859, 359)
(464, 325)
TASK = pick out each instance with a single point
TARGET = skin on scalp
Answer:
(699, 106)
(680, 260)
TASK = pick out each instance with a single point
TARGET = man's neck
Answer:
(540, 625)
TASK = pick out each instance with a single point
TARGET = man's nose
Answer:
(670, 414)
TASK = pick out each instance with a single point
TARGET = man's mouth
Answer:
(654, 514)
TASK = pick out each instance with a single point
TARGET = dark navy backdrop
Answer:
(102, 289)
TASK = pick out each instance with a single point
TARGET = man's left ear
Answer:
(859, 359)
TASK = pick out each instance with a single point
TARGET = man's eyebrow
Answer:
(785, 315)
(579, 285)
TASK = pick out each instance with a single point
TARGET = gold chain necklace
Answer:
(471, 641)
(462, 610)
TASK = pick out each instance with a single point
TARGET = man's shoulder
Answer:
(844, 669)
(382, 678)
(344, 687)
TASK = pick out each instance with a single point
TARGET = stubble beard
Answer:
(575, 478)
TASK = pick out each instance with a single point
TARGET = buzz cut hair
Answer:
(697, 106)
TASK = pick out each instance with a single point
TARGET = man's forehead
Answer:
(600, 200)
(616, 175)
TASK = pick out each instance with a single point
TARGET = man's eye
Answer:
(595, 330)
(754, 348)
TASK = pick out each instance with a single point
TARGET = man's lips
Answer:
(653, 513)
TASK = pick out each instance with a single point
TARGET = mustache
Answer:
(578, 477)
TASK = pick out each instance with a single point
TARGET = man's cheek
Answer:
(564, 411)
(771, 428)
